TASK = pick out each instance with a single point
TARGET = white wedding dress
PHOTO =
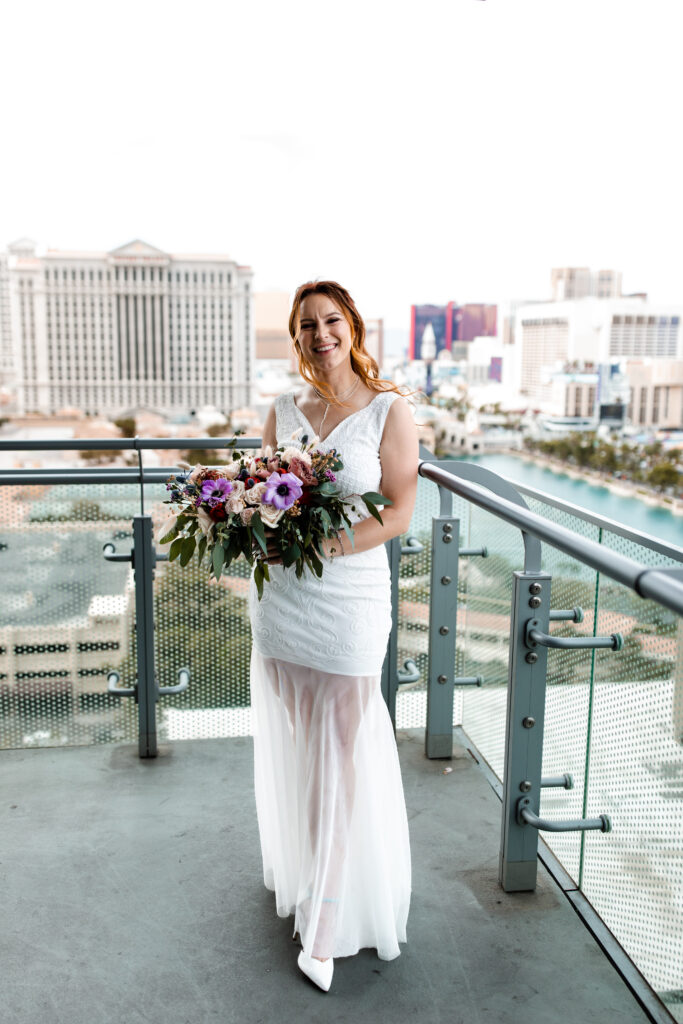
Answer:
(329, 797)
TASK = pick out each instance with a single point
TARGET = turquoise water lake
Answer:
(658, 522)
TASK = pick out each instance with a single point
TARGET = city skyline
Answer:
(456, 156)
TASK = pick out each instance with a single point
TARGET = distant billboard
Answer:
(421, 317)
(451, 323)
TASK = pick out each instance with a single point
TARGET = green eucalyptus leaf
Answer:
(187, 550)
(375, 498)
(174, 549)
(171, 535)
(259, 532)
(348, 530)
(372, 510)
(258, 579)
(217, 559)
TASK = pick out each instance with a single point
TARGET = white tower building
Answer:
(582, 333)
(136, 327)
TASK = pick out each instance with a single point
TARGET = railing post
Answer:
(524, 731)
(143, 563)
(443, 608)
(390, 666)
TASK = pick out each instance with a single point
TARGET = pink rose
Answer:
(246, 514)
(303, 470)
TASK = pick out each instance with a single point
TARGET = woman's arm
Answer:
(269, 435)
(399, 457)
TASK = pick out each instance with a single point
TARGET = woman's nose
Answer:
(321, 331)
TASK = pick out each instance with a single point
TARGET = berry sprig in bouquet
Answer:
(224, 511)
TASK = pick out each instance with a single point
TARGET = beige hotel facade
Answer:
(136, 327)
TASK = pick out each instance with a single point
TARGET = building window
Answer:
(642, 415)
(656, 396)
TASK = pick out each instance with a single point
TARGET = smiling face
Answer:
(325, 334)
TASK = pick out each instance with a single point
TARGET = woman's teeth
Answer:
(325, 348)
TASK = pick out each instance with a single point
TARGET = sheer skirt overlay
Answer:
(330, 807)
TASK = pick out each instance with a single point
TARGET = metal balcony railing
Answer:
(548, 637)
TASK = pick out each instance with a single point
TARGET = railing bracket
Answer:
(525, 816)
(533, 637)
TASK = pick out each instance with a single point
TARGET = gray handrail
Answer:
(130, 444)
(645, 540)
(663, 584)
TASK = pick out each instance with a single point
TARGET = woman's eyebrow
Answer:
(309, 319)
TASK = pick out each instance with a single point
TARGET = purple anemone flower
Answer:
(214, 492)
(282, 490)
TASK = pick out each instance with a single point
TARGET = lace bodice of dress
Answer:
(357, 439)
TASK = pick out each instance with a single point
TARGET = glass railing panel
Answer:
(67, 613)
(484, 630)
(634, 875)
(413, 619)
(569, 680)
(202, 625)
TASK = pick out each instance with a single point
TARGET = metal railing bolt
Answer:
(447, 528)
(525, 786)
(446, 580)
(529, 722)
(444, 630)
(531, 657)
(442, 679)
(534, 602)
(535, 588)
(446, 538)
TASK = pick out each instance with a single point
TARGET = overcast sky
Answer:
(442, 149)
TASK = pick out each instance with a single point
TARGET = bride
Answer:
(329, 797)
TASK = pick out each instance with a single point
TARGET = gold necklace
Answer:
(340, 398)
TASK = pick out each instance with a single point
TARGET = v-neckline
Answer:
(336, 427)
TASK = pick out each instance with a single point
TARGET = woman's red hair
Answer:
(362, 362)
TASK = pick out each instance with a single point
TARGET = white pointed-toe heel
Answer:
(319, 971)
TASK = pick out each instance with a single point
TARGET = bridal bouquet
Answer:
(224, 511)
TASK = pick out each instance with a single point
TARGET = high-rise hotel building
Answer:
(136, 327)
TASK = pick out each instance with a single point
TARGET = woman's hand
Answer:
(273, 557)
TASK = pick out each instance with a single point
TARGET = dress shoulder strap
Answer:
(380, 407)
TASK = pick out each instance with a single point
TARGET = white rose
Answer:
(254, 494)
(237, 489)
(271, 516)
(230, 471)
(235, 503)
(289, 453)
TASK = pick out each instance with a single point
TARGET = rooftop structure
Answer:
(536, 658)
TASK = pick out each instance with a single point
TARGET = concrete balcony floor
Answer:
(133, 893)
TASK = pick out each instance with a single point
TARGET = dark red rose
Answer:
(218, 513)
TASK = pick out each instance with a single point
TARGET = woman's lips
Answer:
(325, 348)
